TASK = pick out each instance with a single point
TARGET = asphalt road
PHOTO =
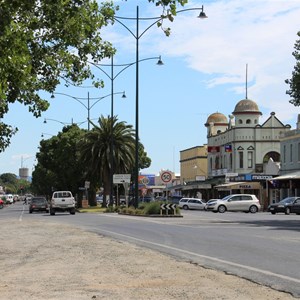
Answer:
(261, 247)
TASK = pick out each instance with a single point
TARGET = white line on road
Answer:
(208, 257)
(21, 216)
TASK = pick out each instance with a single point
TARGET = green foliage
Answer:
(294, 82)
(97, 150)
(13, 185)
(43, 42)
(59, 166)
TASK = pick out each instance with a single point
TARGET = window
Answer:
(284, 153)
(248, 121)
(298, 151)
(241, 159)
(291, 152)
(240, 121)
(250, 159)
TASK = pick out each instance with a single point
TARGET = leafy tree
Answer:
(45, 42)
(294, 82)
(59, 166)
(96, 150)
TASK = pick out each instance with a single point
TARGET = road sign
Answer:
(168, 206)
(87, 184)
(121, 178)
(166, 176)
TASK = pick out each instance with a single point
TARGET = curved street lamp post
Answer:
(112, 77)
(88, 107)
(137, 37)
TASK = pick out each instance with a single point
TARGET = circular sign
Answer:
(166, 177)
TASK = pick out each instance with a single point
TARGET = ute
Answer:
(62, 201)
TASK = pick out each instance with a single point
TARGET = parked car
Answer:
(235, 202)
(38, 204)
(1, 203)
(293, 207)
(280, 206)
(9, 198)
(99, 200)
(209, 201)
(191, 203)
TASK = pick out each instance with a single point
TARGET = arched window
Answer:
(248, 121)
(240, 121)
(272, 154)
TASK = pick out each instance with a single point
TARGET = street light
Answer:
(137, 36)
(88, 106)
(64, 123)
(112, 77)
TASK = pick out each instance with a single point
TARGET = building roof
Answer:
(217, 118)
(246, 106)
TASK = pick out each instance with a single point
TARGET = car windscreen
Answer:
(287, 200)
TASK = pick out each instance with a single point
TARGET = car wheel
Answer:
(72, 211)
(273, 212)
(287, 211)
(30, 211)
(221, 209)
(253, 209)
(52, 212)
(185, 207)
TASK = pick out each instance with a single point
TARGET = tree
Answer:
(96, 150)
(59, 166)
(294, 82)
(44, 43)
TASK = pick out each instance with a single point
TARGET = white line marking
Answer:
(209, 257)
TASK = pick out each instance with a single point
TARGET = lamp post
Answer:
(137, 37)
(64, 123)
(112, 77)
(88, 107)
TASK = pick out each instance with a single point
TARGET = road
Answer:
(261, 247)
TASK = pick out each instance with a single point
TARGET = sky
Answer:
(204, 72)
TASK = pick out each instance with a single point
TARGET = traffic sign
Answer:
(121, 178)
(166, 176)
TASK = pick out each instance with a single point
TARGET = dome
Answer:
(216, 118)
(246, 106)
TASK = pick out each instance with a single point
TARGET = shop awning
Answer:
(238, 186)
(288, 176)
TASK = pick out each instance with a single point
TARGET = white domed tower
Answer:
(216, 123)
(246, 113)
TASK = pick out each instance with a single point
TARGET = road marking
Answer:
(21, 216)
(208, 257)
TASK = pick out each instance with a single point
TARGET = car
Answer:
(1, 203)
(191, 203)
(9, 198)
(209, 201)
(280, 206)
(38, 204)
(62, 201)
(99, 200)
(293, 207)
(235, 202)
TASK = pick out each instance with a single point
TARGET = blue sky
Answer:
(203, 72)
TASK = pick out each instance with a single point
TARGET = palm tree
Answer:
(96, 150)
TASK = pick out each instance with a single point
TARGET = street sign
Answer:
(168, 206)
(166, 176)
(87, 184)
(121, 178)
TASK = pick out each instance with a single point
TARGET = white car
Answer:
(9, 198)
(191, 203)
(235, 202)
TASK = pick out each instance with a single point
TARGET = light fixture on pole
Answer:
(137, 36)
(88, 107)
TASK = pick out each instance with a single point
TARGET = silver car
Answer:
(191, 203)
(236, 202)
